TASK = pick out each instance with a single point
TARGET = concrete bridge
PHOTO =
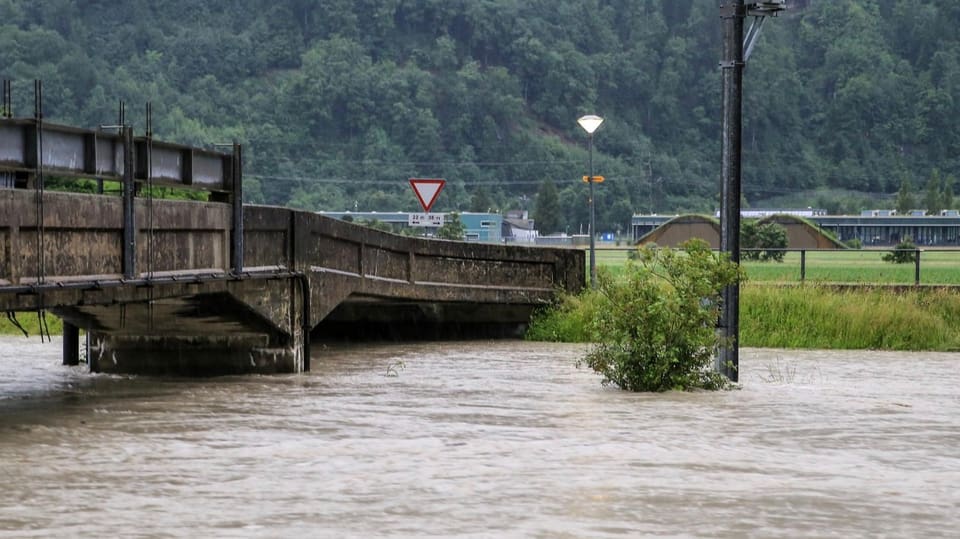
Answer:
(166, 286)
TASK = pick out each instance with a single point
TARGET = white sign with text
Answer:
(425, 219)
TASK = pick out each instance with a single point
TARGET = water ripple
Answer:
(488, 439)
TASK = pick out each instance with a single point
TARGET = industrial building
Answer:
(482, 227)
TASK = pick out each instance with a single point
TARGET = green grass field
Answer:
(842, 266)
(936, 267)
(808, 316)
(31, 323)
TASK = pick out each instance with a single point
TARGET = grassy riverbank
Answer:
(820, 317)
(807, 317)
(31, 323)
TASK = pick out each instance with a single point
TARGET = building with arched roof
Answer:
(671, 232)
(681, 228)
(801, 233)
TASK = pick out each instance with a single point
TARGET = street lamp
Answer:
(590, 123)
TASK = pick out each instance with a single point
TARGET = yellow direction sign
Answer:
(596, 179)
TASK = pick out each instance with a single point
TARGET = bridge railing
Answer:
(31, 148)
(82, 236)
(28, 147)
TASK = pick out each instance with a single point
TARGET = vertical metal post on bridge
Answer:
(235, 197)
(237, 188)
(38, 176)
(129, 214)
(7, 179)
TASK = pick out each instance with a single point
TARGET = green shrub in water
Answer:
(655, 324)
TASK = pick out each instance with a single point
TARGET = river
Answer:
(481, 439)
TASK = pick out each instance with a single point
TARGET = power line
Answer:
(372, 162)
(315, 180)
(640, 180)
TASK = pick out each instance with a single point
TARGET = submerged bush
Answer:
(655, 324)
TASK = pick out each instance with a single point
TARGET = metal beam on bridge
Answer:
(73, 152)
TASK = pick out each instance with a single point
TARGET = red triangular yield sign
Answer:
(427, 190)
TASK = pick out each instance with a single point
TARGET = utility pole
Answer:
(733, 13)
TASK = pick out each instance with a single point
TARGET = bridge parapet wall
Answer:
(268, 237)
(80, 237)
(347, 260)
(387, 255)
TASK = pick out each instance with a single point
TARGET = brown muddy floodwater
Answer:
(481, 439)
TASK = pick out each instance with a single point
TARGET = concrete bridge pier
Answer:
(71, 344)
(192, 355)
(233, 326)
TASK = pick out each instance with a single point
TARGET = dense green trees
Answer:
(905, 200)
(452, 229)
(339, 102)
(547, 213)
(766, 237)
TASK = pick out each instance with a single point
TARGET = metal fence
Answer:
(928, 266)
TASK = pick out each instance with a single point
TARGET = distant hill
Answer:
(339, 102)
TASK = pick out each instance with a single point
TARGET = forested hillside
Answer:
(339, 102)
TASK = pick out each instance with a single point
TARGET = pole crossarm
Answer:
(751, 38)
(759, 11)
(762, 9)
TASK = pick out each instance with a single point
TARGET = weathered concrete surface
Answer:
(82, 237)
(186, 302)
(353, 264)
(194, 355)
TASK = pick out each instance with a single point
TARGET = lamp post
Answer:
(590, 123)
